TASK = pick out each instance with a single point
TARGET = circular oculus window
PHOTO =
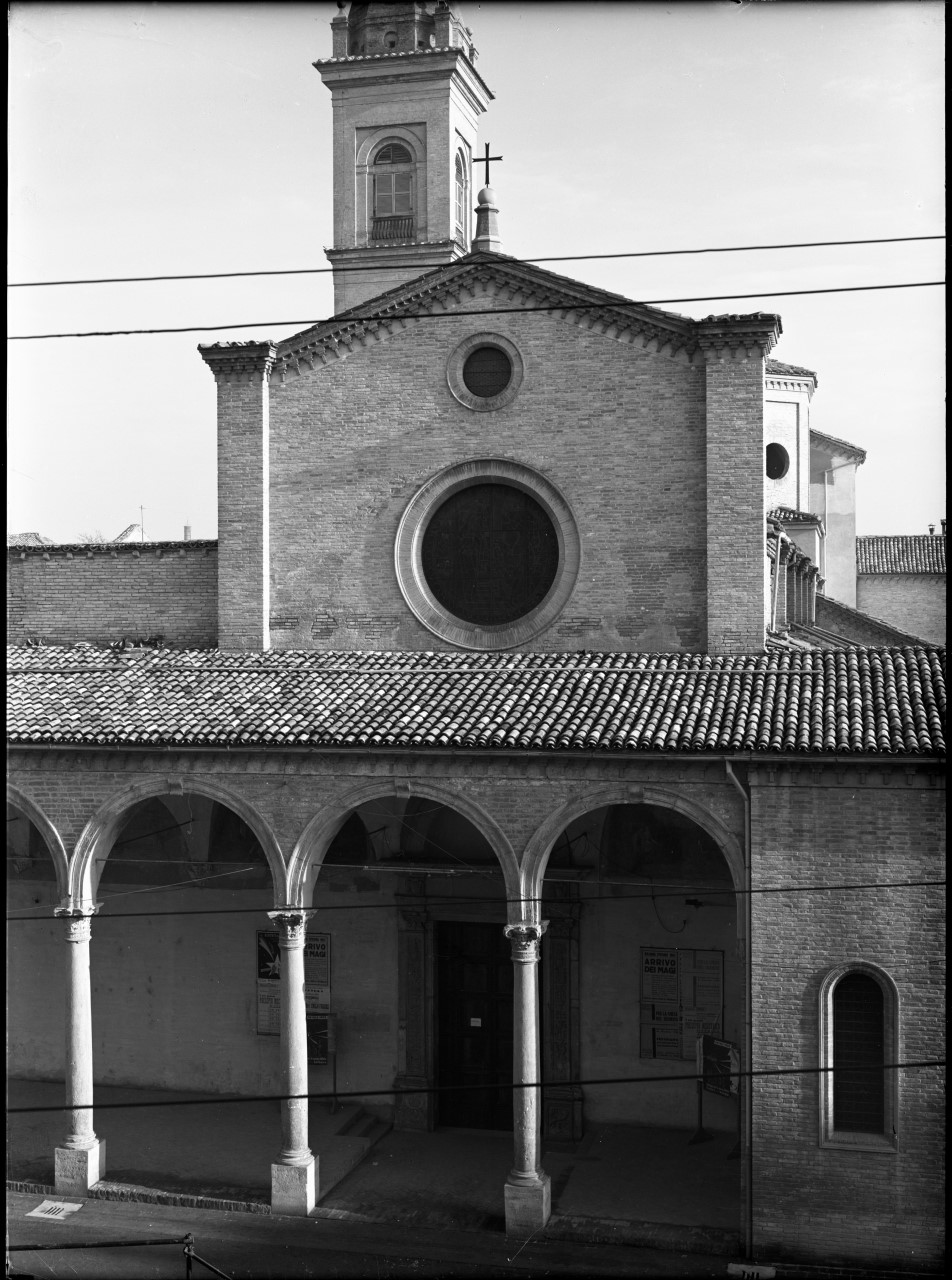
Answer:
(778, 462)
(487, 554)
(485, 372)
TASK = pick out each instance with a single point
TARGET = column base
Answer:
(528, 1206)
(294, 1188)
(76, 1171)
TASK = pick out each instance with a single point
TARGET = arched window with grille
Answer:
(393, 193)
(859, 1011)
(462, 201)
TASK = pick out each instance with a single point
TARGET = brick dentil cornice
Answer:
(239, 361)
(514, 285)
(732, 337)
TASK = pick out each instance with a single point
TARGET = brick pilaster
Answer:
(241, 370)
(737, 605)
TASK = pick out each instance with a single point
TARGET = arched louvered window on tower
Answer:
(859, 1040)
(462, 202)
(393, 193)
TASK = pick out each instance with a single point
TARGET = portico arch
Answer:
(536, 854)
(642, 870)
(51, 837)
(99, 835)
(315, 840)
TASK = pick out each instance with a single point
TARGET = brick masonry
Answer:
(913, 602)
(627, 453)
(99, 593)
(846, 826)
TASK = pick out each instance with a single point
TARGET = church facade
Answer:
(521, 702)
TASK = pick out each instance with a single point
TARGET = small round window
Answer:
(484, 372)
(778, 462)
(487, 372)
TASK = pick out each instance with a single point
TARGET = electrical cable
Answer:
(567, 307)
(463, 1088)
(417, 901)
(570, 257)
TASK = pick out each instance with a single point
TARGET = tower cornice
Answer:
(411, 64)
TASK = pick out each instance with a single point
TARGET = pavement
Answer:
(251, 1246)
(628, 1186)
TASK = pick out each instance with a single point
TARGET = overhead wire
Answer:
(568, 257)
(418, 900)
(327, 1096)
(567, 307)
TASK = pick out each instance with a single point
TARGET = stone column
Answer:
(81, 1161)
(294, 1176)
(528, 1192)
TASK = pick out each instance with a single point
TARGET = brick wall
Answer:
(65, 594)
(913, 602)
(352, 442)
(846, 827)
(855, 627)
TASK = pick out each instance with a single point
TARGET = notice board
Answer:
(317, 989)
(682, 997)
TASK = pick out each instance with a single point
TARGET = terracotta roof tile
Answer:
(899, 553)
(777, 368)
(842, 700)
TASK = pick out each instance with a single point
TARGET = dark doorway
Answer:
(474, 1013)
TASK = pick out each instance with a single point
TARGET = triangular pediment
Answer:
(507, 284)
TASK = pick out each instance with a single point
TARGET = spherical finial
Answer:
(486, 196)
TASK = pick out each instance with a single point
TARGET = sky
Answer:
(165, 139)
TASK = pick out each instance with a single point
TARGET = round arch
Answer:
(536, 854)
(101, 830)
(51, 837)
(315, 840)
(391, 133)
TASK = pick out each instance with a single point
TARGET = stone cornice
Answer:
(738, 336)
(383, 66)
(774, 382)
(239, 361)
(841, 447)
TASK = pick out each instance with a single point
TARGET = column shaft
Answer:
(81, 1161)
(527, 1192)
(295, 1149)
(79, 1038)
(294, 1174)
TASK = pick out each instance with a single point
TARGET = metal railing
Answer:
(393, 228)
(187, 1240)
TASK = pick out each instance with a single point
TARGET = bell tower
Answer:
(406, 99)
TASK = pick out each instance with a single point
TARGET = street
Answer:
(249, 1246)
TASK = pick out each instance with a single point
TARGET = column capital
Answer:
(525, 938)
(292, 923)
(78, 917)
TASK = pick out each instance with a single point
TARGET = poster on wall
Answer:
(719, 1065)
(317, 988)
(682, 997)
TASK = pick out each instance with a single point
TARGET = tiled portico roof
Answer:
(776, 368)
(831, 701)
(899, 553)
